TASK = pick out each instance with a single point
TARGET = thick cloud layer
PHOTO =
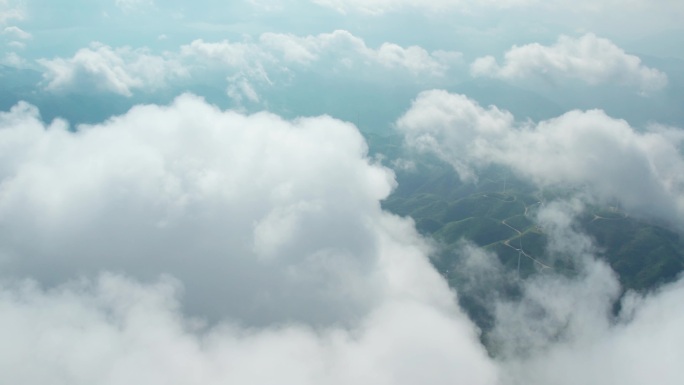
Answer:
(271, 229)
(239, 208)
(121, 239)
(116, 331)
(186, 244)
(590, 59)
(580, 149)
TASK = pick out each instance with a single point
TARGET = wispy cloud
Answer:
(133, 5)
(376, 7)
(379, 7)
(11, 10)
(17, 33)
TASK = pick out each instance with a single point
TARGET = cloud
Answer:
(352, 51)
(240, 88)
(17, 44)
(376, 7)
(560, 326)
(12, 59)
(10, 10)
(604, 157)
(124, 237)
(274, 49)
(451, 125)
(270, 229)
(589, 59)
(261, 219)
(103, 68)
(126, 331)
(169, 188)
(247, 65)
(133, 5)
(627, 352)
(267, 5)
(17, 32)
(563, 329)
(380, 7)
(225, 52)
(340, 51)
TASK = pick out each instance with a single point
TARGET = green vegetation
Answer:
(497, 213)
(644, 255)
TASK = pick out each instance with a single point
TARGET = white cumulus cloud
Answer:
(119, 235)
(103, 68)
(122, 239)
(589, 58)
(116, 331)
(578, 149)
(353, 51)
(340, 48)
(248, 65)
